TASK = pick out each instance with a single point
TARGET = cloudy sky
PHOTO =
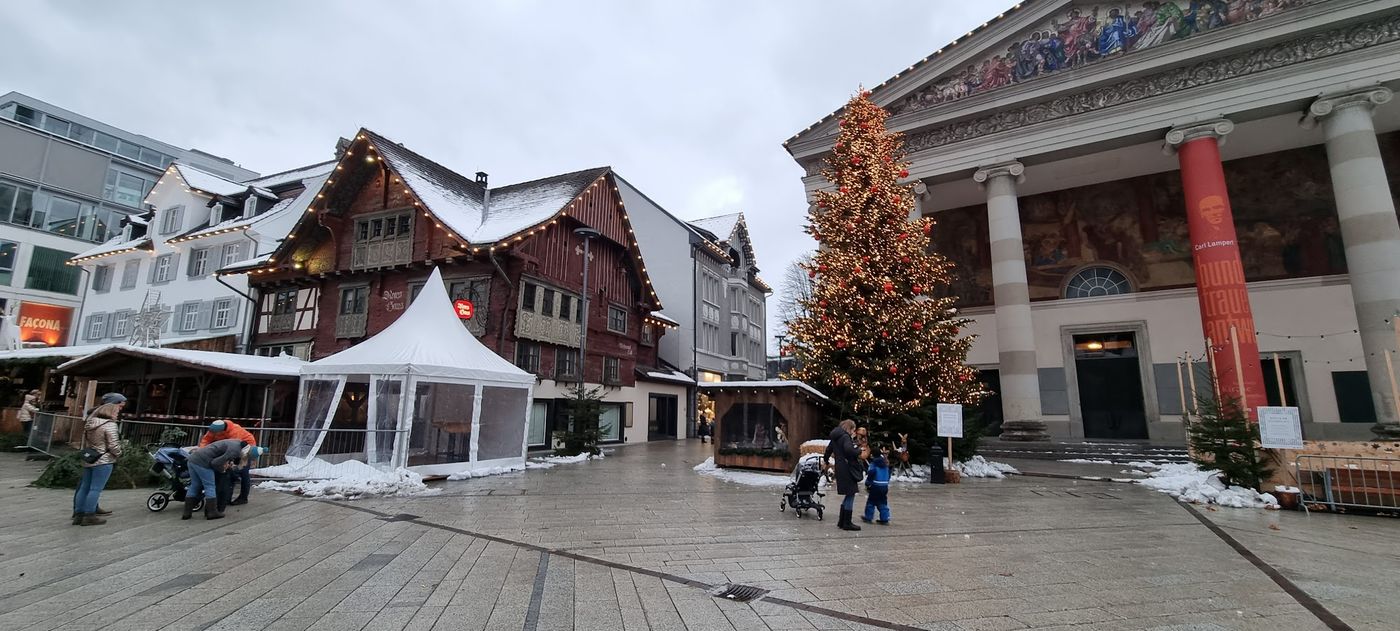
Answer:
(689, 100)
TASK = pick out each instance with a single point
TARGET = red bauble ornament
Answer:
(822, 304)
(824, 318)
(904, 259)
(855, 159)
(822, 268)
(935, 349)
(888, 160)
(811, 273)
(841, 123)
(918, 326)
(903, 236)
(965, 378)
(894, 370)
(875, 189)
(885, 334)
(865, 125)
(865, 259)
(845, 189)
(903, 173)
(889, 287)
(898, 199)
(864, 93)
(856, 271)
(840, 343)
(928, 229)
(918, 290)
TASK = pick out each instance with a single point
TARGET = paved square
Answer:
(627, 543)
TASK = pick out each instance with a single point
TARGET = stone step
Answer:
(1086, 450)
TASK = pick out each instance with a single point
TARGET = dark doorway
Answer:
(1272, 394)
(1353, 390)
(990, 407)
(1110, 386)
(662, 410)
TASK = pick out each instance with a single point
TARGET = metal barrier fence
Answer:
(1349, 481)
(54, 432)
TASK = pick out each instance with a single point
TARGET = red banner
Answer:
(1220, 282)
(39, 322)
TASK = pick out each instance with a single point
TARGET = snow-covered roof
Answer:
(674, 376)
(460, 202)
(115, 245)
(763, 384)
(287, 177)
(60, 352)
(663, 318)
(246, 264)
(276, 222)
(227, 363)
(208, 182)
(427, 340)
(722, 226)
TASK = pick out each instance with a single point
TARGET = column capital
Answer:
(1010, 168)
(1329, 104)
(1183, 134)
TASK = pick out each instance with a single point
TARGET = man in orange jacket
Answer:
(223, 480)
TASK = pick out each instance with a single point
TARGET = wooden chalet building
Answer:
(511, 258)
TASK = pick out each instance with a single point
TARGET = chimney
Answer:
(341, 146)
(481, 178)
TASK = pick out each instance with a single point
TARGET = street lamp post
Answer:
(588, 234)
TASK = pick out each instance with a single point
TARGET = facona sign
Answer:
(48, 324)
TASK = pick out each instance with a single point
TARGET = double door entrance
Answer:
(1109, 379)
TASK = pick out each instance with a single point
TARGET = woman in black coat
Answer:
(842, 448)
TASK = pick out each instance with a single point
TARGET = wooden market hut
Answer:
(762, 424)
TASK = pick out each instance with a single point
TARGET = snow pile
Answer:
(748, 478)
(1088, 461)
(1287, 489)
(347, 480)
(481, 473)
(549, 462)
(1142, 464)
(816, 444)
(1188, 483)
(975, 467)
(979, 467)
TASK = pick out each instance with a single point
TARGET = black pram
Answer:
(802, 494)
(172, 468)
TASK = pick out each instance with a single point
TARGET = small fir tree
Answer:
(584, 409)
(879, 333)
(1225, 440)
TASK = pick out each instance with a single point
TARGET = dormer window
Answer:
(216, 214)
(250, 206)
(171, 222)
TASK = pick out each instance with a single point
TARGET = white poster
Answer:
(950, 420)
(1280, 428)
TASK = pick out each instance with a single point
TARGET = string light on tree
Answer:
(879, 331)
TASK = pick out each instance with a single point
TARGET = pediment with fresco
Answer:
(1083, 34)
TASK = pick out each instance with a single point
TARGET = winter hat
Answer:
(113, 397)
(256, 452)
(218, 426)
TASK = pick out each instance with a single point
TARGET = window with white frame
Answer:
(121, 325)
(129, 273)
(250, 206)
(223, 313)
(617, 319)
(189, 316)
(199, 262)
(233, 253)
(171, 219)
(163, 263)
(97, 326)
(102, 278)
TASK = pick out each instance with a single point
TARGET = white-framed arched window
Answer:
(1093, 281)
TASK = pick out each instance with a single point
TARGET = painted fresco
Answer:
(1283, 209)
(1084, 34)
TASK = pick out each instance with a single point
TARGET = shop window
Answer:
(753, 426)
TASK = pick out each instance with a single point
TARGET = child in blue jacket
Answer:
(877, 487)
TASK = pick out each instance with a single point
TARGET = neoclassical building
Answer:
(1129, 191)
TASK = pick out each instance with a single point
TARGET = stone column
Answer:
(1020, 383)
(1215, 254)
(1370, 232)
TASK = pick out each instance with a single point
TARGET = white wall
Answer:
(665, 245)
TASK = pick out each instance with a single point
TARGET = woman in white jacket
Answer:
(100, 433)
(28, 409)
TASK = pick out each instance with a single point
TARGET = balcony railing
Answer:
(350, 325)
(543, 328)
(281, 323)
(381, 253)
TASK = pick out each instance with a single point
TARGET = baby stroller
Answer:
(802, 494)
(174, 472)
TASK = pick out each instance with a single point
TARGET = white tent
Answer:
(467, 408)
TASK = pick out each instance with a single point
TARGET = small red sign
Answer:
(465, 309)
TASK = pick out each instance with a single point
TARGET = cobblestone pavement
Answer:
(638, 540)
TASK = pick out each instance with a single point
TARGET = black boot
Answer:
(845, 523)
(189, 507)
(211, 511)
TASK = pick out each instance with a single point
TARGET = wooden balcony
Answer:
(350, 325)
(383, 253)
(281, 323)
(542, 328)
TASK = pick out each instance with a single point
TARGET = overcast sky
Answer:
(690, 101)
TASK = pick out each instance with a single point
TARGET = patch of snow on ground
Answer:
(1088, 461)
(1287, 489)
(1142, 464)
(347, 480)
(979, 467)
(481, 473)
(1188, 483)
(748, 478)
(549, 462)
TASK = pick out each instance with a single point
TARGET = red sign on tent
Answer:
(465, 309)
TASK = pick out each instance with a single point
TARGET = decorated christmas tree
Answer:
(879, 333)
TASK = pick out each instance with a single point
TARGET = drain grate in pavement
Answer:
(1079, 494)
(739, 593)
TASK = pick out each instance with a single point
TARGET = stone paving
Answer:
(638, 541)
